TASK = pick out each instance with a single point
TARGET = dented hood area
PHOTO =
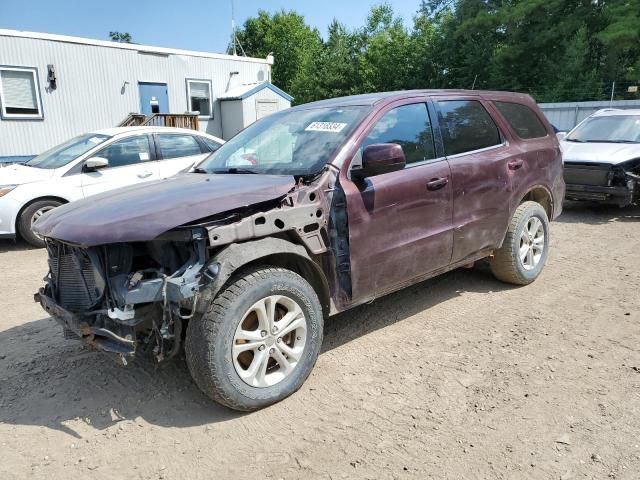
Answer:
(144, 211)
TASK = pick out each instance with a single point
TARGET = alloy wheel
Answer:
(532, 243)
(269, 341)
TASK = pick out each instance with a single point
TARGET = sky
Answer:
(203, 25)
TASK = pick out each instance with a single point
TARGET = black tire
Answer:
(210, 338)
(506, 263)
(24, 222)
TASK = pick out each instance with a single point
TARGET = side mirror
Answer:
(561, 136)
(380, 158)
(95, 163)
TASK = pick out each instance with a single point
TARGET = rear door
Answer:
(537, 147)
(177, 152)
(482, 164)
(400, 222)
(131, 161)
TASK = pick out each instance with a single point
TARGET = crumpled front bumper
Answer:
(82, 325)
(621, 196)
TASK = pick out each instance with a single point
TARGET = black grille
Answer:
(77, 283)
(586, 174)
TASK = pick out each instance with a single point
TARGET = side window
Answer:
(466, 126)
(410, 127)
(173, 146)
(127, 151)
(522, 119)
(212, 145)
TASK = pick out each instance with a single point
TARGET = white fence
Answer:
(565, 116)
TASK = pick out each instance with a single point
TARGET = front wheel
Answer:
(29, 216)
(258, 341)
(525, 248)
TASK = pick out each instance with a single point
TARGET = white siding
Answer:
(233, 118)
(249, 104)
(91, 91)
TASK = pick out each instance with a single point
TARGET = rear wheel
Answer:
(29, 216)
(258, 341)
(525, 248)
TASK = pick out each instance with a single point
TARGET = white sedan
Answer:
(92, 163)
(602, 158)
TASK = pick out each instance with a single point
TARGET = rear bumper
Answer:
(621, 196)
(82, 325)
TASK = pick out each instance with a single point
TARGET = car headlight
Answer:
(4, 189)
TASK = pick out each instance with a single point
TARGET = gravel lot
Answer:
(457, 377)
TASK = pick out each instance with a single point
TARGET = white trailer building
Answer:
(54, 87)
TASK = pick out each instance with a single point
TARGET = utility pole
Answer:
(233, 29)
(613, 90)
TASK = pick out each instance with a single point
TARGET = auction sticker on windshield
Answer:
(334, 127)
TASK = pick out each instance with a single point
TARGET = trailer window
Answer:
(199, 96)
(19, 93)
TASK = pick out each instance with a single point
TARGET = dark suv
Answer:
(306, 213)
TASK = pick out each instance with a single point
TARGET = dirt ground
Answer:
(457, 377)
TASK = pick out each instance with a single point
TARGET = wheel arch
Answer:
(542, 195)
(270, 251)
(34, 200)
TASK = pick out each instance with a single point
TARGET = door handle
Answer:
(515, 164)
(437, 183)
(145, 174)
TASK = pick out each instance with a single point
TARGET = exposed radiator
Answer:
(78, 284)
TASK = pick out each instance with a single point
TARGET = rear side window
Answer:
(174, 146)
(410, 127)
(212, 145)
(466, 126)
(522, 119)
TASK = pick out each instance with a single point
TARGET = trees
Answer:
(286, 36)
(556, 50)
(122, 37)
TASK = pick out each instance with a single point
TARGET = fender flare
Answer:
(276, 252)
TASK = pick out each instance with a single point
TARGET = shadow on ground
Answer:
(8, 245)
(598, 214)
(48, 381)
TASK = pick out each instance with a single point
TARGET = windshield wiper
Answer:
(611, 141)
(235, 170)
(199, 170)
(574, 140)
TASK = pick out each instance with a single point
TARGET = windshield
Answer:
(609, 129)
(292, 142)
(62, 154)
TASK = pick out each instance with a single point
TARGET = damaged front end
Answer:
(120, 297)
(602, 182)
(124, 296)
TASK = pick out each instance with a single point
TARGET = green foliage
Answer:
(122, 37)
(556, 50)
(286, 36)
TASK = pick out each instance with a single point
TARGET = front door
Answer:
(153, 98)
(400, 222)
(131, 161)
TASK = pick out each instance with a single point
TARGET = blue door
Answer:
(153, 98)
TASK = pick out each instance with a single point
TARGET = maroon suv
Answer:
(306, 213)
